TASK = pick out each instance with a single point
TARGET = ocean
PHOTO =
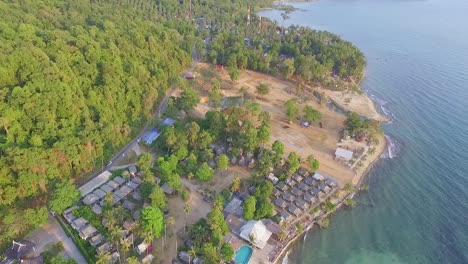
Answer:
(416, 210)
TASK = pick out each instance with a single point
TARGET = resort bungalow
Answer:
(330, 182)
(314, 191)
(277, 193)
(114, 185)
(184, 256)
(290, 183)
(280, 203)
(87, 232)
(296, 192)
(309, 198)
(97, 209)
(106, 188)
(297, 177)
(90, 198)
(256, 230)
(114, 257)
(103, 248)
(288, 197)
(294, 210)
(148, 259)
(284, 216)
(304, 187)
(119, 180)
(271, 177)
(343, 154)
(132, 170)
(303, 172)
(318, 177)
(141, 248)
(99, 193)
(301, 204)
(282, 186)
(167, 189)
(79, 223)
(310, 181)
(95, 240)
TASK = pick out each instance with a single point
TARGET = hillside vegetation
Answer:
(78, 78)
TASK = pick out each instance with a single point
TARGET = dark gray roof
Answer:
(288, 197)
(296, 191)
(282, 186)
(309, 198)
(310, 181)
(297, 177)
(303, 186)
(301, 203)
(303, 172)
(280, 203)
(294, 209)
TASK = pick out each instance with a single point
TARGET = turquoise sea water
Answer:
(417, 208)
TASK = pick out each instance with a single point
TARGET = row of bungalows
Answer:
(301, 191)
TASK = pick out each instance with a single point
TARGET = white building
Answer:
(257, 231)
(343, 154)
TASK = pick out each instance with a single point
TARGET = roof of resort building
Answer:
(97, 209)
(277, 192)
(273, 227)
(256, 230)
(184, 256)
(344, 154)
(301, 203)
(90, 198)
(151, 136)
(87, 232)
(79, 223)
(303, 186)
(94, 183)
(309, 181)
(119, 180)
(284, 216)
(294, 209)
(280, 203)
(288, 197)
(103, 248)
(99, 193)
(125, 189)
(132, 169)
(271, 177)
(317, 176)
(129, 205)
(167, 189)
(113, 184)
(303, 172)
(234, 207)
(290, 182)
(330, 182)
(148, 258)
(119, 194)
(137, 180)
(132, 185)
(314, 191)
(296, 192)
(234, 223)
(309, 198)
(114, 257)
(95, 240)
(297, 177)
(106, 188)
(19, 249)
(282, 186)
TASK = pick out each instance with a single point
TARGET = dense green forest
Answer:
(79, 78)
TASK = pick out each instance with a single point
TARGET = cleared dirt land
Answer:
(316, 141)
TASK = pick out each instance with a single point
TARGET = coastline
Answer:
(357, 182)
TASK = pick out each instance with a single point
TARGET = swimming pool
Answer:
(243, 255)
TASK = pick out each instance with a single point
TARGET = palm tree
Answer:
(192, 252)
(125, 245)
(187, 210)
(251, 239)
(103, 258)
(133, 260)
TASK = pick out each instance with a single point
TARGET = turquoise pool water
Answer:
(243, 255)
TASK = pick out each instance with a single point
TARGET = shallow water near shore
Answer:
(416, 210)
